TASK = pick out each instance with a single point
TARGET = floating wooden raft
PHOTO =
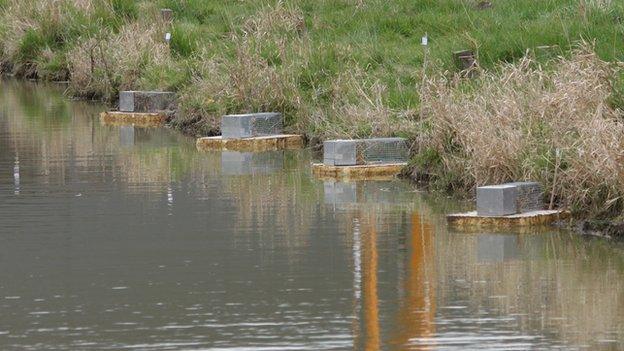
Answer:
(136, 118)
(532, 218)
(255, 144)
(360, 172)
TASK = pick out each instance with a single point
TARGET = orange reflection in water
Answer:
(416, 317)
(369, 286)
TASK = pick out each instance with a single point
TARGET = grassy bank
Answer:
(544, 106)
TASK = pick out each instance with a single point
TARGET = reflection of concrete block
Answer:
(146, 101)
(364, 151)
(497, 248)
(236, 163)
(340, 193)
(251, 125)
(126, 135)
(250, 163)
(508, 199)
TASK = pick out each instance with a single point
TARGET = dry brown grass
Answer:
(358, 109)
(106, 63)
(526, 122)
(249, 82)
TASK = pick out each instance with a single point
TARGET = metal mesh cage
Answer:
(251, 125)
(267, 124)
(529, 196)
(365, 151)
(146, 101)
(383, 150)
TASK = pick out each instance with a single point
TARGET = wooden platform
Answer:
(134, 118)
(361, 172)
(264, 143)
(534, 218)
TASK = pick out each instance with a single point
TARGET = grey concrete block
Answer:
(251, 125)
(340, 152)
(508, 199)
(364, 151)
(126, 101)
(328, 152)
(497, 200)
(147, 101)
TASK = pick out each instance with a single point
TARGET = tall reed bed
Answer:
(524, 121)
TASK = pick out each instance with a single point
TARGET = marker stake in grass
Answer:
(425, 44)
(168, 37)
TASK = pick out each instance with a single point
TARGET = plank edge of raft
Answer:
(532, 218)
(261, 143)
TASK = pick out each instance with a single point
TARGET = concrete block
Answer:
(146, 101)
(364, 151)
(497, 200)
(508, 199)
(251, 125)
(340, 152)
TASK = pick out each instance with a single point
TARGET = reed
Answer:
(526, 121)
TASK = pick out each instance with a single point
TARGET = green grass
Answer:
(380, 37)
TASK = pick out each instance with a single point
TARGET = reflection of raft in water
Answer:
(532, 218)
(139, 119)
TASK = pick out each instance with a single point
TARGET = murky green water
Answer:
(121, 238)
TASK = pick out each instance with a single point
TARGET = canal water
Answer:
(124, 238)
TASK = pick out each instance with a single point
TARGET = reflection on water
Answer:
(497, 247)
(251, 163)
(126, 135)
(127, 238)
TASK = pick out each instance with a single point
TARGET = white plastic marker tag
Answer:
(424, 41)
(168, 37)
